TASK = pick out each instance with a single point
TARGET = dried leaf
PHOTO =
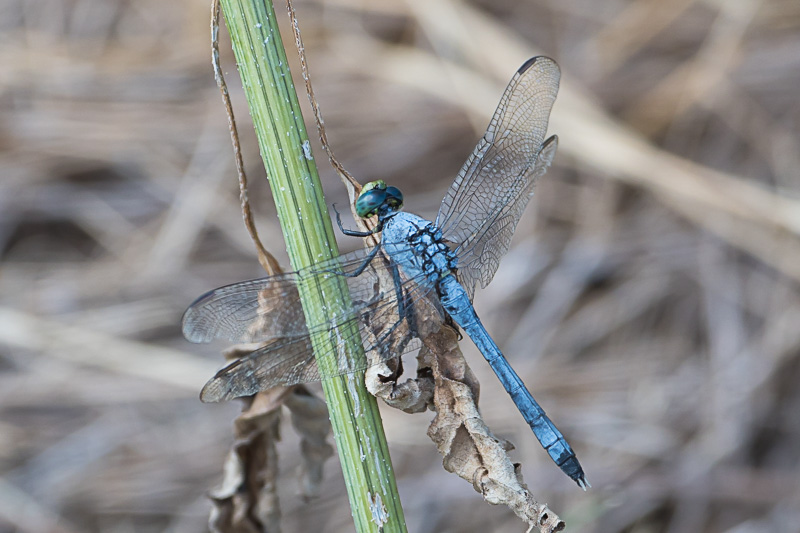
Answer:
(467, 445)
(412, 396)
(247, 499)
(310, 420)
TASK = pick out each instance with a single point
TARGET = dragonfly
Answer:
(417, 269)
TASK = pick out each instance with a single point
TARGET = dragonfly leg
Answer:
(387, 346)
(404, 303)
(365, 264)
(354, 233)
(359, 270)
(391, 351)
(398, 290)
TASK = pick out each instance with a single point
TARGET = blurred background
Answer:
(651, 298)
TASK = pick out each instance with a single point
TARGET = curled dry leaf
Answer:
(412, 396)
(247, 499)
(310, 419)
(467, 445)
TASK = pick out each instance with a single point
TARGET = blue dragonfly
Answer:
(418, 269)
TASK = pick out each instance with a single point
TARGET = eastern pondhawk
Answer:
(418, 268)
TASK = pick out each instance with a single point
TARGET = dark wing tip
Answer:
(218, 387)
(212, 392)
(191, 327)
(231, 381)
(191, 321)
(529, 63)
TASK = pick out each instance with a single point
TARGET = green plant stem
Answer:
(307, 229)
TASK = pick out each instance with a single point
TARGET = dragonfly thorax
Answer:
(417, 245)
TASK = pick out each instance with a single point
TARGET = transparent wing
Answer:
(481, 209)
(290, 360)
(269, 308)
(479, 256)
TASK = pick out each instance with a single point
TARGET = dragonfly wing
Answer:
(496, 182)
(480, 255)
(248, 311)
(264, 368)
(269, 308)
(288, 361)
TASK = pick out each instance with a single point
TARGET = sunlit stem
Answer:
(306, 226)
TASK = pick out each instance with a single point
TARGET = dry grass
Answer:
(651, 300)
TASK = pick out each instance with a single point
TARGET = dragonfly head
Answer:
(377, 199)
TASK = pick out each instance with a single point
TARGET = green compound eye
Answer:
(368, 202)
(374, 195)
(394, 197)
